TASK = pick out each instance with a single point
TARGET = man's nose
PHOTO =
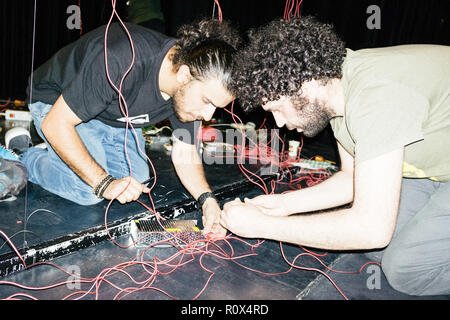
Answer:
(208, 112)
(279, 119)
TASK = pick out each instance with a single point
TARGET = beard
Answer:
(178, 101)
(313, 115)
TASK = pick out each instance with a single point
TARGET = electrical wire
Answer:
(289, 7)
(192, 252)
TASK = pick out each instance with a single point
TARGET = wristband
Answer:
(201, 200)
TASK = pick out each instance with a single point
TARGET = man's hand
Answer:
(189, 168)
(126, 190)
(272, 204)
(245, 219)
(211, 219)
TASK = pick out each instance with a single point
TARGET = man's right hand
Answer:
(125, 190)
(272, 204)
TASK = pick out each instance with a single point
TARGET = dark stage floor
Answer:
(240, 269)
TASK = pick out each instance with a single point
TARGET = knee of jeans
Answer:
(402, 274)
(86, 199)
(83, 195)
(376, 255)
(142, 175)
(39, 111)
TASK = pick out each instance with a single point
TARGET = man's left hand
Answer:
(244, 219)
(211, 219)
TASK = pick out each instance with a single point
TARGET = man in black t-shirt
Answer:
(92, 153)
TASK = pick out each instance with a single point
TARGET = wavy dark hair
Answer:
(207, 47)
(281, 56)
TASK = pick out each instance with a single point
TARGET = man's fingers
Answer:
(223, 222)
(227, 205)
(234, 202)
(207, 224)
(121, 199)
(127, 190)
(223, 216)
(261, 203)
(134, 190)
(258, 201)
(219, 231)
(128, 196)
(251, 201)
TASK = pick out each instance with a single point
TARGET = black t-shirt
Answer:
(78, 72)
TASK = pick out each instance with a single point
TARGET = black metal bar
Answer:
(49, 250)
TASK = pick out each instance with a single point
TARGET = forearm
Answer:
(344, 229)
(67, 144)
(189, 168)
(191, 174)
(193, 179)
(333, 192)
(368, 224)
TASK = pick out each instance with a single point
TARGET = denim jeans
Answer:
(104, 143)
(417, 260)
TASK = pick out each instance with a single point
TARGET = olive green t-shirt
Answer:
(398, 96)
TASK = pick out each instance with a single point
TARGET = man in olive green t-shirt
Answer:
(398, 97)
(389, 109)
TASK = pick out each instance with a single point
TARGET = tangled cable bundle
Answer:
(150, 271)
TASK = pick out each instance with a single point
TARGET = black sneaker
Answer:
(13, 178)
(18, 139)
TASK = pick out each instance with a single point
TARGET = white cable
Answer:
(31, 99)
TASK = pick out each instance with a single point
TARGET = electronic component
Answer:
(314, 164)
(165, 233)
(218, 147)
(293, 148)
(247, 126)
(17, 115)
(209, 134)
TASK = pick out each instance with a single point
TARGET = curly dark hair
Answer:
(282, 55)
(207, 47)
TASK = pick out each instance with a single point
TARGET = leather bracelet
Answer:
(105, 186)
(97, 186)
(205, 195)
(96, 190)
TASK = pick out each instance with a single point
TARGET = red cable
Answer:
(190, 249)
(81, 21)
(219, 10)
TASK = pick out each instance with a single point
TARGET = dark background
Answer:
(402, 22)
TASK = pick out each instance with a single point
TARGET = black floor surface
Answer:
(240, 269)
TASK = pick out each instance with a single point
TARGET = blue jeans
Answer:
(104, 143)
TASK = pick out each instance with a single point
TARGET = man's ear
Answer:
(184, 74)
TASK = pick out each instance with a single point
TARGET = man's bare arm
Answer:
(59, 130)
(189, 168)
(368, 224)
(338, 190)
